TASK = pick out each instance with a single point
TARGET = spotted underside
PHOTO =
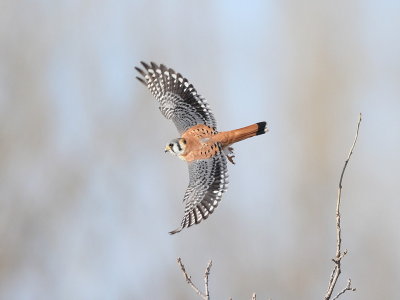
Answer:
(200, 143)
(180, 102)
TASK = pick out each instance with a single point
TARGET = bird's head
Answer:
(176, 146)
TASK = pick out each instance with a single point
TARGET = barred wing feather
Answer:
(208, 180)
(178, 99)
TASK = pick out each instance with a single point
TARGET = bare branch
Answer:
(206, 294)
(339, 254)
(206, 274)
(347, 288)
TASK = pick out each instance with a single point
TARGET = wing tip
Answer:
(146, 66)
(176, 230)
(141, 80)
(154, 65)
(143, 73)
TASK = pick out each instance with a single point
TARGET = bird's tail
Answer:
(230, 137)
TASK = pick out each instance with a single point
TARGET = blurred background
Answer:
(87, 195)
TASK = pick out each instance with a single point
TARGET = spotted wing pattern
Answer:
(178, 99)
(208, 180)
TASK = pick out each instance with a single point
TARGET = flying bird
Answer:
(200, 144)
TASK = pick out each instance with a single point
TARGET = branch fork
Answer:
(206, 294)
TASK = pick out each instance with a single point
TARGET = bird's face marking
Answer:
(176, 146)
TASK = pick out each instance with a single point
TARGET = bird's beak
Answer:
(167, 148)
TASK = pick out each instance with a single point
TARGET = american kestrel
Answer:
(201, 145)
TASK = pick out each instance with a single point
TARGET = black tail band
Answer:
(261, 128)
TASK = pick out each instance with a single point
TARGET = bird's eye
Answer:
(171, 145)
(184, 141)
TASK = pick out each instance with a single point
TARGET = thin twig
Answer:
(206, 274)
(347, 288)
(206, 295)
(339, 254)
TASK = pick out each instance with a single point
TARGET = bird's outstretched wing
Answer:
(178, 99)
(208, 180)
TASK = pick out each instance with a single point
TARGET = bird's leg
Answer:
(229, 154)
